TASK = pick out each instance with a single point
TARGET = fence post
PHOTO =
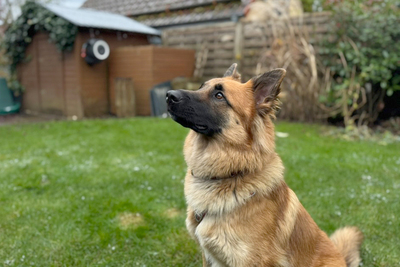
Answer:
(164, 38)
(238, 48)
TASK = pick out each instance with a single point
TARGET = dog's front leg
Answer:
(205, 262)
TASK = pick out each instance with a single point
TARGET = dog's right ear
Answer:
(267, 88)
(233, 73)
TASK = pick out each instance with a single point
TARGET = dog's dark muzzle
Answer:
(186, 108)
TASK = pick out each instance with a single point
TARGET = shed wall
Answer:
(62, 83)
(28, 75)
(94, 79)
(72, 87)
(134, 63)
(148, 66)
(43, 76)
(50, 64)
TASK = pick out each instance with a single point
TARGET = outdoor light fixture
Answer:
(94, 51)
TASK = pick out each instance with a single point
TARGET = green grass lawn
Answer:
(110, 192)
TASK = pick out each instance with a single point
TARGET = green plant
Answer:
(363, 57)
(307, 5)
(36, 18)
(15, 86)
(316, 5)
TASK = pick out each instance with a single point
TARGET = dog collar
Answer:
(200, 216)
(232, 175)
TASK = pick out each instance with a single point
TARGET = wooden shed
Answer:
(62, 83)
(147, 66)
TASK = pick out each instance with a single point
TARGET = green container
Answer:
(7, 104)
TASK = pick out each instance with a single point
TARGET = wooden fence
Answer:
(242, 42)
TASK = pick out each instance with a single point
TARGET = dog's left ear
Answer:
(233, 73)
(267, 88)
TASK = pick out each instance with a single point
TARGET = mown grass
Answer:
(110, 192)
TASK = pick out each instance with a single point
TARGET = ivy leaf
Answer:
(35, 18)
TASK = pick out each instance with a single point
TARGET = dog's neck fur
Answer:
(208, 157)
(219, 156)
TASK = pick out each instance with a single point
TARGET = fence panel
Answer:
(242, 42)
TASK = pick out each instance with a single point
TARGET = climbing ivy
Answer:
(35, 18)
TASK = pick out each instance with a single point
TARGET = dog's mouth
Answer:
(184, 121)
(201, 127)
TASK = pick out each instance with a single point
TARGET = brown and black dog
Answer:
(240, 209)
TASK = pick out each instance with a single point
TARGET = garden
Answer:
(110, 192)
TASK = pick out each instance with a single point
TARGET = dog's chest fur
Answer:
(222, 246)
(224, 232)
(212, 228)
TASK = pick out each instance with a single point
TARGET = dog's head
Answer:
(226, 106)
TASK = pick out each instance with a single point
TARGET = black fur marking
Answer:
(219, 87)
(229, 104)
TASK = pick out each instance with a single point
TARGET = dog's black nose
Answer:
(174, 96)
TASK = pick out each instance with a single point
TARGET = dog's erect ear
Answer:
(233, 73)
(267, 87)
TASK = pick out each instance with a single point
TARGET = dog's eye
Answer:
(219, 96)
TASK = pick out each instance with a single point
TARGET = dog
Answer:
(239, 208)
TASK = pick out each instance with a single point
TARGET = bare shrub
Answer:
(306, 77)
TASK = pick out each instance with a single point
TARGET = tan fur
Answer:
(348, 240)
(253, 218)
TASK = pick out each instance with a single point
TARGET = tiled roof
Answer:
(162, 13)
(192, 16)
(99, 19)
(140, 7)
